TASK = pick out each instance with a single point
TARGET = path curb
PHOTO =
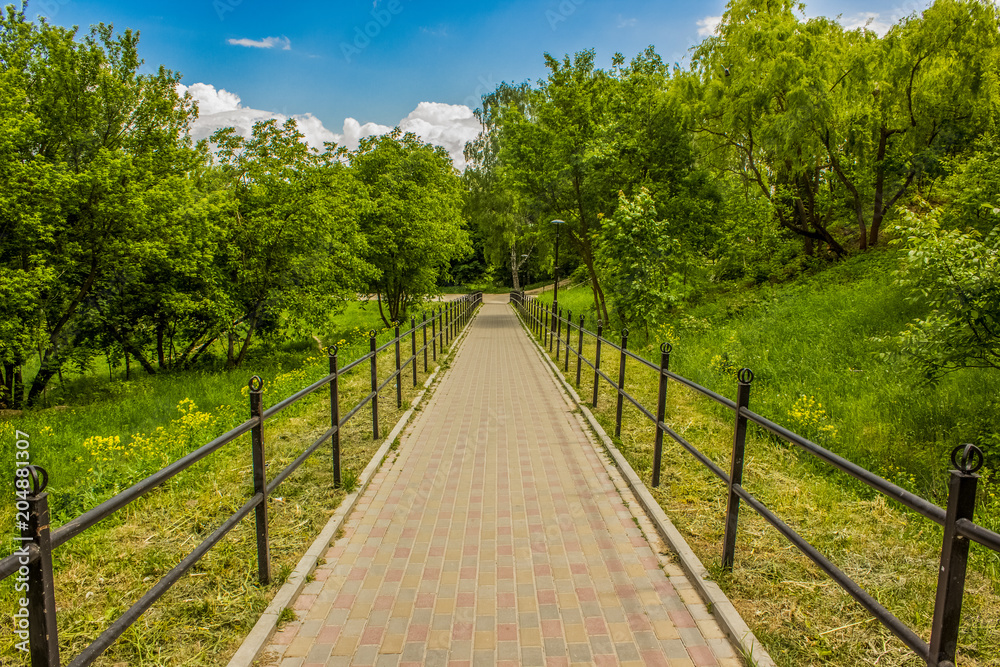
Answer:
(267, 624)
(746, 643)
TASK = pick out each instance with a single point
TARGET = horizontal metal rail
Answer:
(293, 466)
(977, 533)
(123, 622)
(642, 360)
(718, 398)
(81, 523)
(353, 364)
(392, 376)
(297, 396)
(887, 488)
(698, 454)
(357, 408)
(12, 563)
(887, 618)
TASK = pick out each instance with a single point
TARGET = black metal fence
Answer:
(956, 519)
(32, 563)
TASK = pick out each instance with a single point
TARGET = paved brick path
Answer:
(496, 536)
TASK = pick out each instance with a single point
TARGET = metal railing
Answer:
(956, 519)
(32, 562)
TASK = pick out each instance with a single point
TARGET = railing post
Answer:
(661, 409)
(413, 347)
(552, 332)
(745, 377)
(579, 354)
(954, 554)
(423, 327)
(597, 362)
(260, 479)
(434, 333)
(374, 372)
(446, 326)
(335, 413)
(40, 622)
(558, 330)
(545, 318)
(399, 374)
(621, 384)
(569, 332)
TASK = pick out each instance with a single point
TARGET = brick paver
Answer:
(496, 537)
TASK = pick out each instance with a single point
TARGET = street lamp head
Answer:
(558, 222)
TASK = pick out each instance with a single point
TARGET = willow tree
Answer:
(834, 127)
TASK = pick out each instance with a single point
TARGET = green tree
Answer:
(831, 124)
(414, 225)
(93, 138)
(641, 261)
(291, 241)
(956, 275)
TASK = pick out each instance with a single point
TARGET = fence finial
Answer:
(256, 384)
(745, 376)
(38, 485)
(969, 453)
(666, 348)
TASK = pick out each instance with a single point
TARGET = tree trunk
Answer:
(190, 362)
(128, 366)
(515, 269)
(252, 328)
(8, 385)
(230, 360)
(129, 348)
(18, 389)
(159, 344)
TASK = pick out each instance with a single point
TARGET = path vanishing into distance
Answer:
(498, 536)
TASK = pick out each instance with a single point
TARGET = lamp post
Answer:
(555, 289)
(523, 258)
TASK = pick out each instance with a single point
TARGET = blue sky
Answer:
(316, 58)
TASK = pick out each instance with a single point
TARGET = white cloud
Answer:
(627, 23)
(446, 125)
(708, 26)
(282, 43)
(869, 21)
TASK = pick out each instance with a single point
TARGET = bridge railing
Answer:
(31, 564)
(555, 332)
